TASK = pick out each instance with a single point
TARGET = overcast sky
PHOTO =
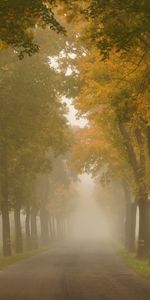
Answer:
(72, 112)
(72, 115)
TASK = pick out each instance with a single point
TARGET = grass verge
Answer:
(6, 261)
(142, 267)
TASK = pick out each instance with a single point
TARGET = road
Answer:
(76, 272)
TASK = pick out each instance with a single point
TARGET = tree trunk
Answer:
(130, 218)
(133, 227)
(54, 229)
(130, 226)
(5, 202)
(27, 228)
(34, 236)
(51, 228)
(6, 231)
(44, 219)
(59, 227)
(127, 225)
(18, 231)
(139, 170)
(144, 224)
(148, 139)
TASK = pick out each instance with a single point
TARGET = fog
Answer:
(88, 221)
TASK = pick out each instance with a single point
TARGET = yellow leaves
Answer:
(116, 88)
(99, 80)
(3, 45)
(144, 108)
(90, 150)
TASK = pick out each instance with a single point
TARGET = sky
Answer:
(72, 114)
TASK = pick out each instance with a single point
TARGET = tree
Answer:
(32, 122)
(19, 21)
(122, 26)
(109, 99)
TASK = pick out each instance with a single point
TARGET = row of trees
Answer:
(34, 138)
(114, 97)
(113, 76)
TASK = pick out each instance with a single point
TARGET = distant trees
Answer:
(112, 83)
(56, 193)
(32, 125)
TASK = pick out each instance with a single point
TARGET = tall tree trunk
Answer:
(64, 228)
(44, 219)
(34, 235)
(18, 231)
(144, 225)
(6, 231)
(133, 226)
(130, 218)
(127, 197)
(51, 228)
(139, 170)
(27, 228)
(54, 229)
(59, 227)
(148, 139)
(127, 225)
(130, 226)
(5, 202)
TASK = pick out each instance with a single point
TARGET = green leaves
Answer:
(19, 20)
(32, 121)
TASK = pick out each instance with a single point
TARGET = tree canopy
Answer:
(19, 20)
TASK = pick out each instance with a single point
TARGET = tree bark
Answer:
(27, 228)
(53, 222)
(5, 202)
(144, 225)
(133, 227)
(139, 170)
(52, 228)
(130, 218)
(44, 219)
(127, 225)
(6, 231)
(59, 227)
(144, 222)
(18, 231)
(148, 139)
(34, 235)
(130, 150)
(130, 226)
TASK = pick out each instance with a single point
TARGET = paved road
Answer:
(80, 272)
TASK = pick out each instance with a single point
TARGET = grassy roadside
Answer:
(141, 267)
(6, 261)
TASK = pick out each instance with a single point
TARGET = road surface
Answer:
(74, 272)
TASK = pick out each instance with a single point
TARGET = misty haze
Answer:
(74, 150)
(88, 222)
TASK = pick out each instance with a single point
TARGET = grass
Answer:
(6, 261)
(141, 267)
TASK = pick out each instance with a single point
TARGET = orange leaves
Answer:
(116, 88)
(90, 150)
(99, 80)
